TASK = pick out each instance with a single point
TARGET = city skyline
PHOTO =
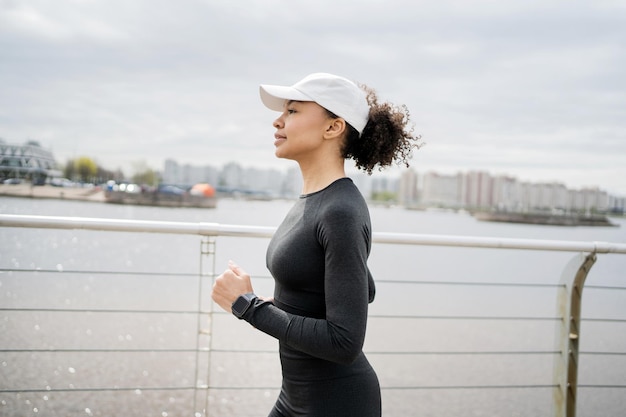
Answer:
(411, 187)
(534, 89)
(397, 172)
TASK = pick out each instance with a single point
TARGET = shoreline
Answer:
(26, 190)
(547, 219)
(96, 194)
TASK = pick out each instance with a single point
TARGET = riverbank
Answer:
(98, 195)
(546, 219)
(27, 190)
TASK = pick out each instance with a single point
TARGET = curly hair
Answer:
(387, 136)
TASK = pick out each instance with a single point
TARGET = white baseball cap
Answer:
(336, 94)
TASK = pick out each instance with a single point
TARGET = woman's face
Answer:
(300, 129)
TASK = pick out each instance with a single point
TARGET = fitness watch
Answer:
(242, 304)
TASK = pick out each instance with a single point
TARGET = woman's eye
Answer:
(291, 111)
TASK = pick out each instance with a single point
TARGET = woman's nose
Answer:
(278, 122)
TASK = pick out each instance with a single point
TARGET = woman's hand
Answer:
(230, 285)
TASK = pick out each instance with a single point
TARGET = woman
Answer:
(318, 255)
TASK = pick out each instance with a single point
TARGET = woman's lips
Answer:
(279, 139)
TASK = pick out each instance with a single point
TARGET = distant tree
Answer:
(384, 196)
(86, 169)
(144, 174)
(118, 175)
(147, 177)
(103, 175)
(69, 171)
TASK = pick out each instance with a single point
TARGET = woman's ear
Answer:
(335, 129)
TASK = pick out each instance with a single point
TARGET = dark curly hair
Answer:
(387, 136)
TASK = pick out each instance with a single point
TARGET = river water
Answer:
(431, 328)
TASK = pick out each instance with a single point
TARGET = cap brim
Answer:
(274, 96)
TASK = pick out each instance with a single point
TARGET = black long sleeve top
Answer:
(318, 258)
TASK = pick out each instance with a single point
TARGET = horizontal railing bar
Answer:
(603, 320)
(433, 387)
(463, 353)
(378, 316)
(467, 387)
(504, 318)
(224, 388)
(106, 311)
(216, 229)
(249, 388)
(54, 350)
(603, 287)
(256, 351)
(471, 283)
(101, 272)
(513, 318)
(374, 352)
(381, 280)
(499, 243)
(114, 389)
(135, 226)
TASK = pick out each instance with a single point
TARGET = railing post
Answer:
(205, 326)
(569, 301)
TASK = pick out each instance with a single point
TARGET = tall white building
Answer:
(174, 173)
(408, 188)
(507, 193)
(617, 204)
(267, 180)
(590, 199)
(441, 190)
(544, 196)
(231, 176)
(171, 172)
(477, 189)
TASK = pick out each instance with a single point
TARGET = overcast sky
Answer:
(533, 89)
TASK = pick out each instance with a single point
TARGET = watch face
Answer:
(240, 306)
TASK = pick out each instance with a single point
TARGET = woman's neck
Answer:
(319, 176)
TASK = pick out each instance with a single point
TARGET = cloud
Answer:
(534, 87)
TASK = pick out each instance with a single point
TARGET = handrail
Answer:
(569, 297)
(499, 243)
(218, 229)
(135, 226)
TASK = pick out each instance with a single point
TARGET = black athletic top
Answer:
(318, 258)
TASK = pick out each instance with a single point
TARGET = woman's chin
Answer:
(279, 154)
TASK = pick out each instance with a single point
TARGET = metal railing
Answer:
(568, 301)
